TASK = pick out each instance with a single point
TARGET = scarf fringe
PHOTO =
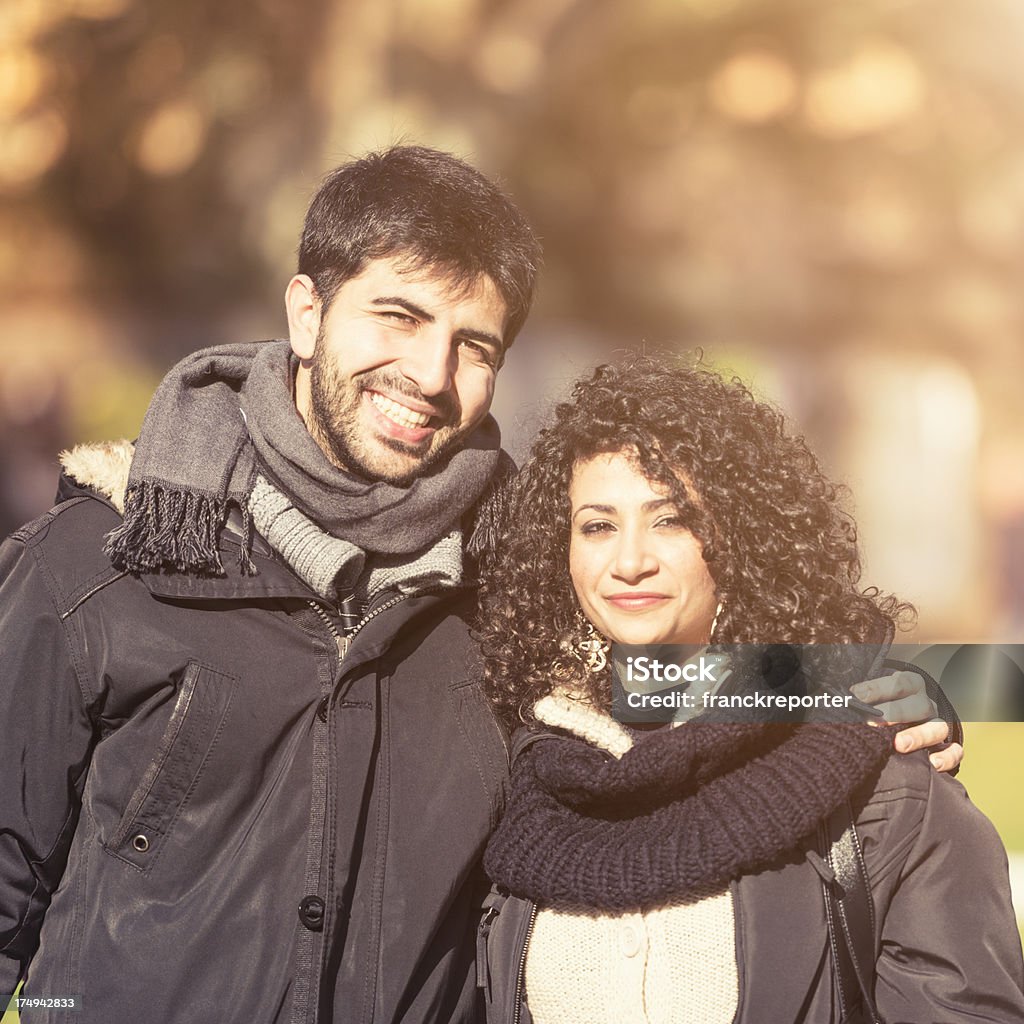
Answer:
(492, 511)
(179, 529)
(245, 562)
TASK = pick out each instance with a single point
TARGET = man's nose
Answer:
(431, 362)
(634, 557)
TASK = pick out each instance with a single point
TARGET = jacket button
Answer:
(322, 707)
(311, 913)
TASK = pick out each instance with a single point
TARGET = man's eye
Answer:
(480, 353)
(402, 318)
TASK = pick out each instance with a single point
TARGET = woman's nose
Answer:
(634, 558)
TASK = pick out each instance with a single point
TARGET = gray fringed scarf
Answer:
(224, 412)
(334, 568)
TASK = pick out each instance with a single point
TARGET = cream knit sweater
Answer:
(674, 963)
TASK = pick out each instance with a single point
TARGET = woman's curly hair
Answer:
(779, 547)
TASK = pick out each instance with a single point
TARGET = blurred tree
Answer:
(793, 180)
(178, 121)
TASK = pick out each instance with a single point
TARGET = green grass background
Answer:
(993, 772)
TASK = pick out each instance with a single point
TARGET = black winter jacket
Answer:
(211, 812)
(948, 946)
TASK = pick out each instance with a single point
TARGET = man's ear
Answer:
(303, 307)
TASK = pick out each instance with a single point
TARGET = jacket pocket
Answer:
(200, 708)
(485, 741)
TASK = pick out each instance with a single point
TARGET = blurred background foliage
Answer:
(826, 196)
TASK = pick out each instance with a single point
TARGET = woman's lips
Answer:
(635, 601)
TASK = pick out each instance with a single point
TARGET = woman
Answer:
(675, 873)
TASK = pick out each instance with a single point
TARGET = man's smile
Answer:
(401, 414)
(399, 423)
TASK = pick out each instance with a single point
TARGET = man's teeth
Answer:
(399, 413)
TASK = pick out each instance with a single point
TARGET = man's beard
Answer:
(335, 423)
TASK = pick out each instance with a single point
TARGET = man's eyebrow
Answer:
(411, 307)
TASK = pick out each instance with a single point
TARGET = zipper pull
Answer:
(344, 643)
(492, 905)
(483, 967)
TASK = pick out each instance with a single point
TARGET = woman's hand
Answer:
(903, 697)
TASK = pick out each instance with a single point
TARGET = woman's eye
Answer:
(673, 522)
(596, 526)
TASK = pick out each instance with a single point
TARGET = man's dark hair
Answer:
(426, 206)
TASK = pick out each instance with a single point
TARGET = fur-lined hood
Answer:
(103, 467)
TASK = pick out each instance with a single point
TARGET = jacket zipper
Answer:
(520, 974)
(340, 642)
(345, 642)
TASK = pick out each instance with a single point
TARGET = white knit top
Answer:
(666, 965)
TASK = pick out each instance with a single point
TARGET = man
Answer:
(247, 771)
(263, 696)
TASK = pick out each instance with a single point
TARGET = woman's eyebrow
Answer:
(608, 510)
